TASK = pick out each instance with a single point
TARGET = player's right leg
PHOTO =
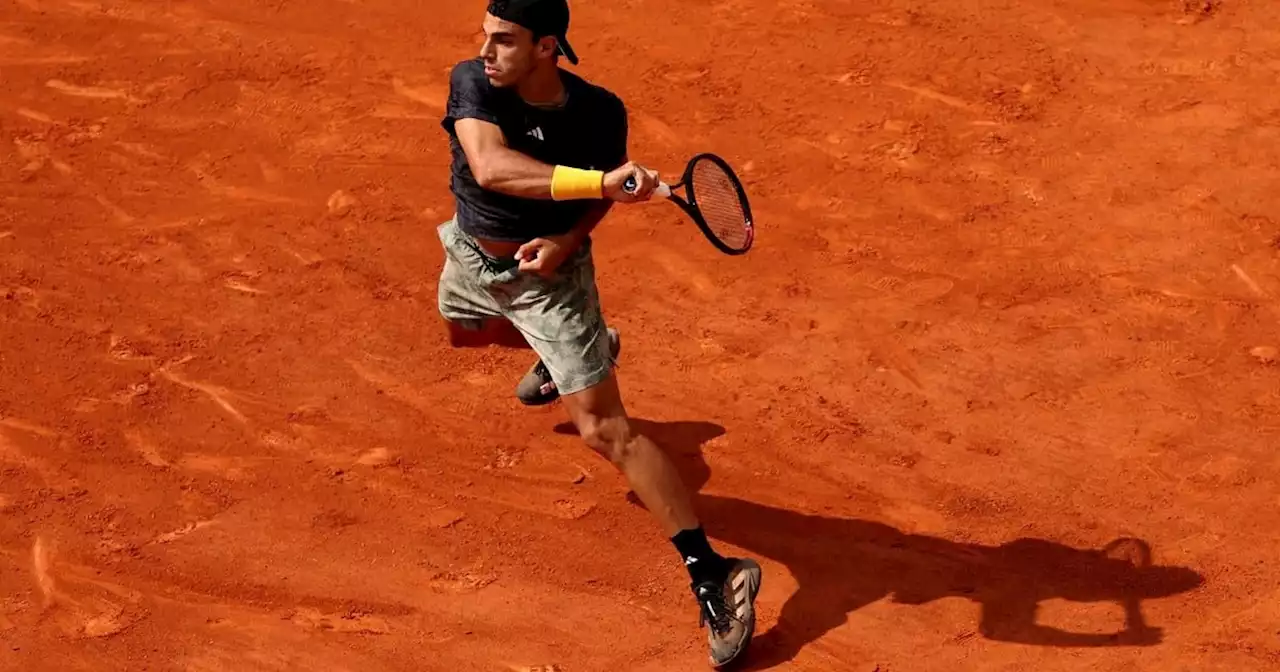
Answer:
(472, 314)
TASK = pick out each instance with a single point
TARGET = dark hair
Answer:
(542, 18)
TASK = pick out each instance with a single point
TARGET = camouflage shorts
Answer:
(560, 317)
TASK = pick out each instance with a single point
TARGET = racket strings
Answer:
(719, 202)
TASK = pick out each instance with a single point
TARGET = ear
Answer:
(546, 46)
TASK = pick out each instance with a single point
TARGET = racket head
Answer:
(719, 204)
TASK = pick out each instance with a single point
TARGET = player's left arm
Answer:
(618, 153)
(595, 214)
(543, 255)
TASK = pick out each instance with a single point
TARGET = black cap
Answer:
(541, 17)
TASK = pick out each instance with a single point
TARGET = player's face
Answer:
(509, 51)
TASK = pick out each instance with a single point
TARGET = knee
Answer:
(611, 437)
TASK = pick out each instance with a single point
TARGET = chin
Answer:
(499, 80)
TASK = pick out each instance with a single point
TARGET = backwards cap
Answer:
(541, 17)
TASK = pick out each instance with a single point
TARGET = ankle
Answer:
(702, 562)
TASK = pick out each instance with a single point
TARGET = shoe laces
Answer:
(715, 610)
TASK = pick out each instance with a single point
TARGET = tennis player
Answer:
(539, 156)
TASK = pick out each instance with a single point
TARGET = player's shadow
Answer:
(844, 564)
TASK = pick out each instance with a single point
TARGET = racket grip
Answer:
(663, 190)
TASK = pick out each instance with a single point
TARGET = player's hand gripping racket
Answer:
(716, 202)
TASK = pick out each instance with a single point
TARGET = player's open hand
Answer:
(615, 180)
(542, 256)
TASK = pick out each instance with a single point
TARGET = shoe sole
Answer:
(756, 578)
(554, 396)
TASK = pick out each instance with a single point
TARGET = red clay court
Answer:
(997, 388)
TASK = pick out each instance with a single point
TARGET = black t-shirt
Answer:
(589, 131)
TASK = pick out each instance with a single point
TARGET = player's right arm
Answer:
(498, 167)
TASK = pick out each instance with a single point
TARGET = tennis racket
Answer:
(716, 202)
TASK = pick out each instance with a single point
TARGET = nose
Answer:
(486, 49)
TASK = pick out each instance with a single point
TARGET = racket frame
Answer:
(691, 208)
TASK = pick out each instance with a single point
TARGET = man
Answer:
(539, 157)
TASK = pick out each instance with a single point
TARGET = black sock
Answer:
(703, 563)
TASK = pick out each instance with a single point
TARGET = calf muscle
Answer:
(602, 422)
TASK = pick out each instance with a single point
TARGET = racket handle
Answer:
(663, 190)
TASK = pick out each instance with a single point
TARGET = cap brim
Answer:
(567, 51)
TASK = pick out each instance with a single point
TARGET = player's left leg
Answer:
(538, 386)
(562, 320)
(725, 588)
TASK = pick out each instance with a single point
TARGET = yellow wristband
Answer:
(574, 183)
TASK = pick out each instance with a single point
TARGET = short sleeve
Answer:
(470, 95)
